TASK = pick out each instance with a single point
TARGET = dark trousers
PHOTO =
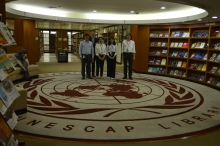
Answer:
(26, 73)
(111, 65)
(128, 57)
(99, 65)
(93, 65)
(86, 62)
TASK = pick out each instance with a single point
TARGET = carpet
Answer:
(148, 108)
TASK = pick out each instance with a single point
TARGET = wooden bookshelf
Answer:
(199, 34)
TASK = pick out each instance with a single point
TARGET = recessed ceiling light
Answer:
(132, 12)
(163, 8)
(94, 11)
(214, 17)
(199, 19)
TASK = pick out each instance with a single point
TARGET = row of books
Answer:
(154, 69)
(200, 45)
(158, 52)
(177, 72)
(215, 70)
(159, 35)
(179, 54)
(196, 66)
(197, 76)
(216, 46)
(198, 34)
(214, 81)
(5, 36)
(179, 34)
(216, 34)
(159, 44)
(178, 63)
(152, 60)
(199, 55)
(215, 57)
(179, 44)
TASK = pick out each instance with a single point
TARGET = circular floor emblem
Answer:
(102, 109)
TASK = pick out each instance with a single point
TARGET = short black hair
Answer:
(86, 35)
(23, 51)
(113, 42)
(100, 38)
(129, 35)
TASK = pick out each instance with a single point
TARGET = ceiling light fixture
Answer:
(163, 8)
(94, 11)
(132, 12)
(214, 17)
(199, 19)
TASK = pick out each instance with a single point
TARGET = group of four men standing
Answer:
(87, 55)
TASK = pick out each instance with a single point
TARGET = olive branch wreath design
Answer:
(172, 101)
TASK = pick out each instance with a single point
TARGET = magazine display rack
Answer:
(8, 92)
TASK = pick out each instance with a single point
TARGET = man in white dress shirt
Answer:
(128, 55)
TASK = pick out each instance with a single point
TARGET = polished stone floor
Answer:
(51, 57)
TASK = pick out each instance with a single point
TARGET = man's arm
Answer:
(80, 50)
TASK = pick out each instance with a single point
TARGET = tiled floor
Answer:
(51, 57)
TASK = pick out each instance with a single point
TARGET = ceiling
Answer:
(78, 14)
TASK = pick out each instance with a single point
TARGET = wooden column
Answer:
(2, 10)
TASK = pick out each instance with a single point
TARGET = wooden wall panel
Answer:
(2, 10)
(134, 33)
(19, 31)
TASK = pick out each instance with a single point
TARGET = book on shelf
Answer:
(6, 67)
(172, 44)
(176, 72)
(184, 64)
(192, 66)
(217, 46)
(204, 34)
(202, 78)
(205, 57)
(180, 44)
(176, 44)
(182, 53)
(184, 74)
(154, 69)
(195, 66)
(193, 55)
(151, 60)
(152, 43)
(214, 81)
(179, 64)
(180, 73)
(186, 55)
(198, 45)
(152, 52)
(158, 53)
(185, 45)
(8, 92)
(214, 69)
(193, 45)
(11, 118)
(164, 44)
(215, 34)
(217, 59)
(210, 80)
(164, 71)
(191, 75)
(172, 34)
(5, 132)
(218, 83)
(218, 72)
(200, 66)
(197, 76)
(175, 54)
(164, 52)
(158, 62)
(202, 45)
(163, 62)
(212, 58)
(171, 72)
(161, 35)
(204, 67)
(174, 63)
(195, 34)
(166, 35)
(197, 55)
(150, 69)
(159, 44)
(5, 36)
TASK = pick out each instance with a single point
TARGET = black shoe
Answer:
(124, 78)
(130, 78)
(89, 77)
(28, 79)
(83, 78)
(93, 76)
